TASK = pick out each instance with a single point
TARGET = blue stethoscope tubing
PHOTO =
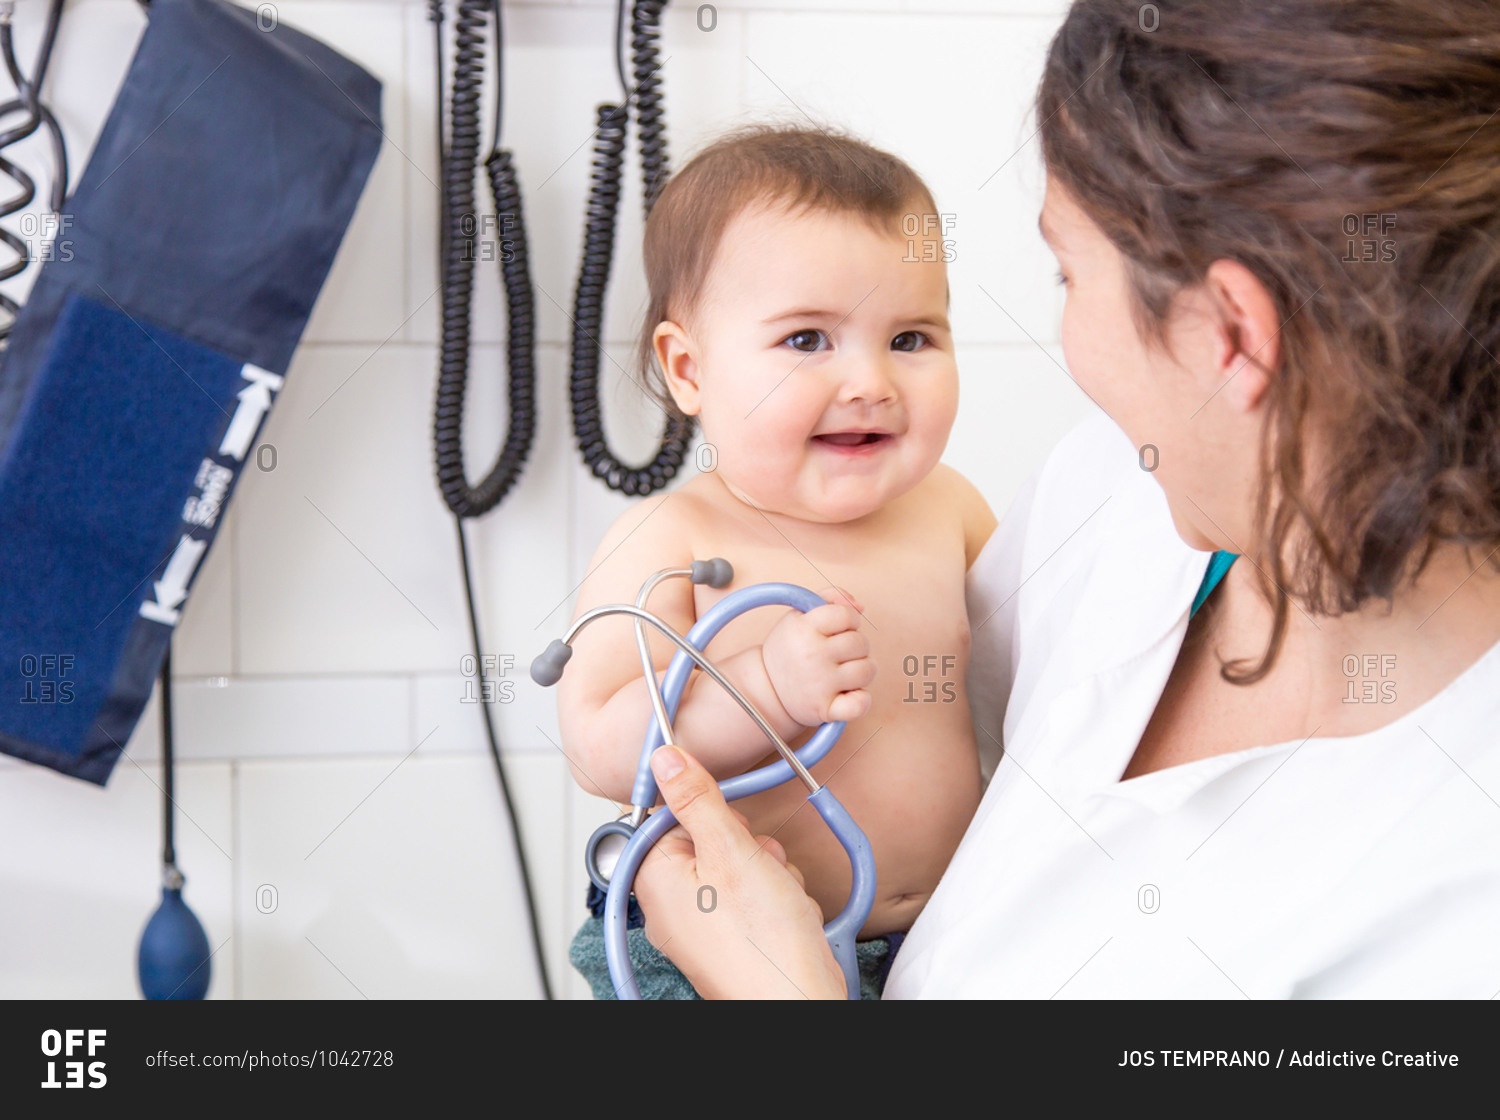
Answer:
(843, 929)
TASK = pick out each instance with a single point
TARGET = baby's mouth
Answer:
(852, 439)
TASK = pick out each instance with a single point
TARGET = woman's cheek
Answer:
(1076, 344)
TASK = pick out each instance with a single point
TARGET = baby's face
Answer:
(820, 363)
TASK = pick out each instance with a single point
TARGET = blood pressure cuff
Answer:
(154, 342)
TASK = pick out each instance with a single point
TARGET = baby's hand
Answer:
(819, 663)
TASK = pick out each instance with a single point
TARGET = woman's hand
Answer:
(724, 905)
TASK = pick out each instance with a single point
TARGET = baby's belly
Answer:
(909, 775)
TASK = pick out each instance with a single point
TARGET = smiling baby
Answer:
(799, 311)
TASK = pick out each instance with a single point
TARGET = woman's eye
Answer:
(1061, 279)
(909, 340)
(808, 341)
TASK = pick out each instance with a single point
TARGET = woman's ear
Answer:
(1248, 351)
(677, 355)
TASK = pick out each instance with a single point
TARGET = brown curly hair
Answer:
(1348, 154)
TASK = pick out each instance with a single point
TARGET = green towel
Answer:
(658, 978)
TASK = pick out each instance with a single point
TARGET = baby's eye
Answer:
(910, 340)
(1061, 279)
(808, 341)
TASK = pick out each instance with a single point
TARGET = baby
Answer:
(798, 308)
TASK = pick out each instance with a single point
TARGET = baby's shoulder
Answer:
(949, 483)
(635, 517)
(948, 494)
(663, 525)
(649, 535)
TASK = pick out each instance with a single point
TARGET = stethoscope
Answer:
(616, 849)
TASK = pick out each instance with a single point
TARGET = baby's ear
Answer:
(677, 356)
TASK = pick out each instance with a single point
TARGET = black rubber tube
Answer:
(168, 805)
(598, 253)
(458, 233)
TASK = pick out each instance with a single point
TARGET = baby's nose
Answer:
(868, 379)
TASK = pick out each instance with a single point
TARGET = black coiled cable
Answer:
(460, 226)
(645, 32)
(458, 229)
(28, 98)
(598, 252)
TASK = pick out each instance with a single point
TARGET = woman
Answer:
(1279, 228)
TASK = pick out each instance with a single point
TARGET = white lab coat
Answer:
(1358, 866)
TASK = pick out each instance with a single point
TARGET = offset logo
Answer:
(66, 1044)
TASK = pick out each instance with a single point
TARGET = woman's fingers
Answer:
(732, 914)
(697, 804)
(769, 845)
(797, 875)
(674, 844)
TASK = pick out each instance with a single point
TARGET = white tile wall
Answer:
(328, 745)
(80, 876)
(998, 385)
(396, 879)
(950, 94)
(365, 295)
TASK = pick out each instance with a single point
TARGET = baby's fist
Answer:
(819, 663)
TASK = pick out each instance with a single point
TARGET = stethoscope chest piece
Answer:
(603, 851)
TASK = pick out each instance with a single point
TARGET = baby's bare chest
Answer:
(910, 587)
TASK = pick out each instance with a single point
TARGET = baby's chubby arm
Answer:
(812, 667)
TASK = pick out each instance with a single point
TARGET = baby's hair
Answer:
(820, 169)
